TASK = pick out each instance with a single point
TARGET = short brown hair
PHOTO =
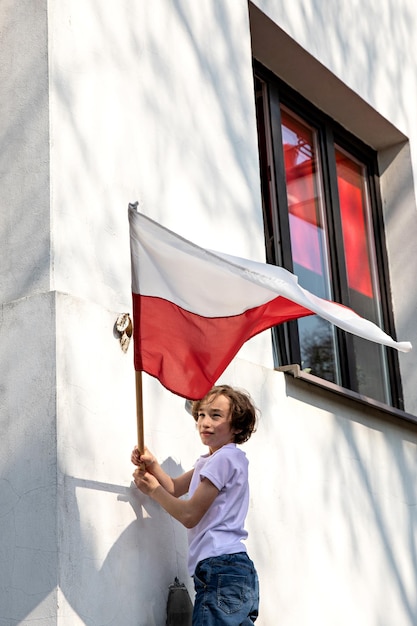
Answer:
(242, 408)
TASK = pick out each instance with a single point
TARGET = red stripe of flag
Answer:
(187, 352)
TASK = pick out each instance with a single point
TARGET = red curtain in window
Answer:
(353, 211)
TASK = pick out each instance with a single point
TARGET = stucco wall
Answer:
(371, 47)
(28, 462)
(142, 109)
(24, 160)
(154, 102)
(333, 508)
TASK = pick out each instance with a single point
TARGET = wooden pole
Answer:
(139, 412)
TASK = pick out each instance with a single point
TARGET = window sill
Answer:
(296, 372)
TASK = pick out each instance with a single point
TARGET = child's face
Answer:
(214, 422)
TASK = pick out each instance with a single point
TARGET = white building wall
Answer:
(154, 102)
(28, 462)
(371, 47)
(24, 127)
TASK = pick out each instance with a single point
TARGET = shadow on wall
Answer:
(371, 45)
(191, 134)
(132, 584)
(112, 552)
(344, 504)
(24, 159)
(129, 583)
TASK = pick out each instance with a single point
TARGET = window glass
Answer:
(304, 199)
(353, 203)
(308, 240)
(360, 262)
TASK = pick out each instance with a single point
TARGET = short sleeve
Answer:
(219, 470)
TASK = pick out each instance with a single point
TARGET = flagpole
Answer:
(139, 412)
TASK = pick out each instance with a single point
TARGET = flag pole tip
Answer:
(133, 205)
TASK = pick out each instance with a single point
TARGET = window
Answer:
(323, 223)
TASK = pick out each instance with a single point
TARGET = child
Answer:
(225, 579)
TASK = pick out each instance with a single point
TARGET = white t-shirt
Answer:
(221, 529)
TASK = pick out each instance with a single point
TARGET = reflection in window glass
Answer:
(308, 240)
(360, 261)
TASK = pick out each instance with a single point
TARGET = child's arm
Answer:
(188, 512)
(175, 486)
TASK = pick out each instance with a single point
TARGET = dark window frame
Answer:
(285, 337)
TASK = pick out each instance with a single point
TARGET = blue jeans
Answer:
(227, 591)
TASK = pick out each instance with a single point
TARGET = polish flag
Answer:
(193, 308)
